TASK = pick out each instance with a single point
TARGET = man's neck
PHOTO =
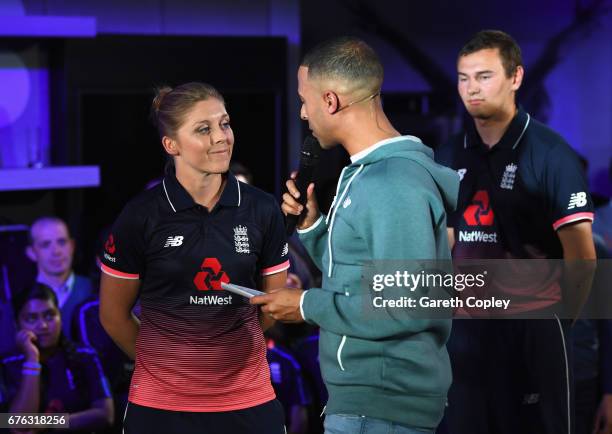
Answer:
(364, 131)
(55, 281)
(492, 129)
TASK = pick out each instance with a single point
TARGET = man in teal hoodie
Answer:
(388, 371)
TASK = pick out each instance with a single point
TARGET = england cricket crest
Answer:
(509, 176)
(241, 239)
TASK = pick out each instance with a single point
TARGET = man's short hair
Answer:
(346, 59)
(45, 219)
(509, 50)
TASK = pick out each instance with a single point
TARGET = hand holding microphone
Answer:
(299, 202)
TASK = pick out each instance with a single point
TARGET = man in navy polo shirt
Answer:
(522, 195)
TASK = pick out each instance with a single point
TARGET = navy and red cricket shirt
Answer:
(514, 196)
(199, 348)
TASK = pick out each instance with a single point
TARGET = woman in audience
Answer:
(50, 374)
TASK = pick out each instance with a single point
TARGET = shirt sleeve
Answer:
(275, 251)
(123, 250)
(566, 188)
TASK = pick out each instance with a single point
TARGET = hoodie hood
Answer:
(410, 147)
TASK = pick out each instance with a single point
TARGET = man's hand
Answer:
(281, 304)
(603, 417)
(290, 204)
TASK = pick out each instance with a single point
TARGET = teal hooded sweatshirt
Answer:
(390, 204)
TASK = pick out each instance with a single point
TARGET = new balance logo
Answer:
(577, 200)
(174, 241)
(285, 249)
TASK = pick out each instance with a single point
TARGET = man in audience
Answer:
(52, 249)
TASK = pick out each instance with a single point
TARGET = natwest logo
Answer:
(109, 246)
(479, 213)
(210, 275)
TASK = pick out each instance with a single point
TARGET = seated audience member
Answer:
(115, 363)
(286, 376)
(52, 249)
(51, 374)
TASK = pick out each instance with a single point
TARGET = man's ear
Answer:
(169, 145)
(517, 80)
(30, 253)
(332, 103)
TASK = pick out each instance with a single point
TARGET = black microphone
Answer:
(309, 158)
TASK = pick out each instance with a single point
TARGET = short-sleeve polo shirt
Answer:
(514, 196)
(518, 193)
(199, 348)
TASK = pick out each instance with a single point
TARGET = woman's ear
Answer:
(169, 145)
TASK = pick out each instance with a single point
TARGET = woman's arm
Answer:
(268, 283)
(27, 399)
(117, 298)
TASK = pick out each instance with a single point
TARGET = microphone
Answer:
(309, 158)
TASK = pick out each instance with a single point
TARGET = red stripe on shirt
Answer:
(573, 218)
(120, 274)
(275, 269)
(200, 359)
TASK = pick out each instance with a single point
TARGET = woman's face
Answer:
(43, 318)
(205, 140)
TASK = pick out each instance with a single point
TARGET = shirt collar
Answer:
(361, 154)
(179, 199)
(64, 287)
(510, 139)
